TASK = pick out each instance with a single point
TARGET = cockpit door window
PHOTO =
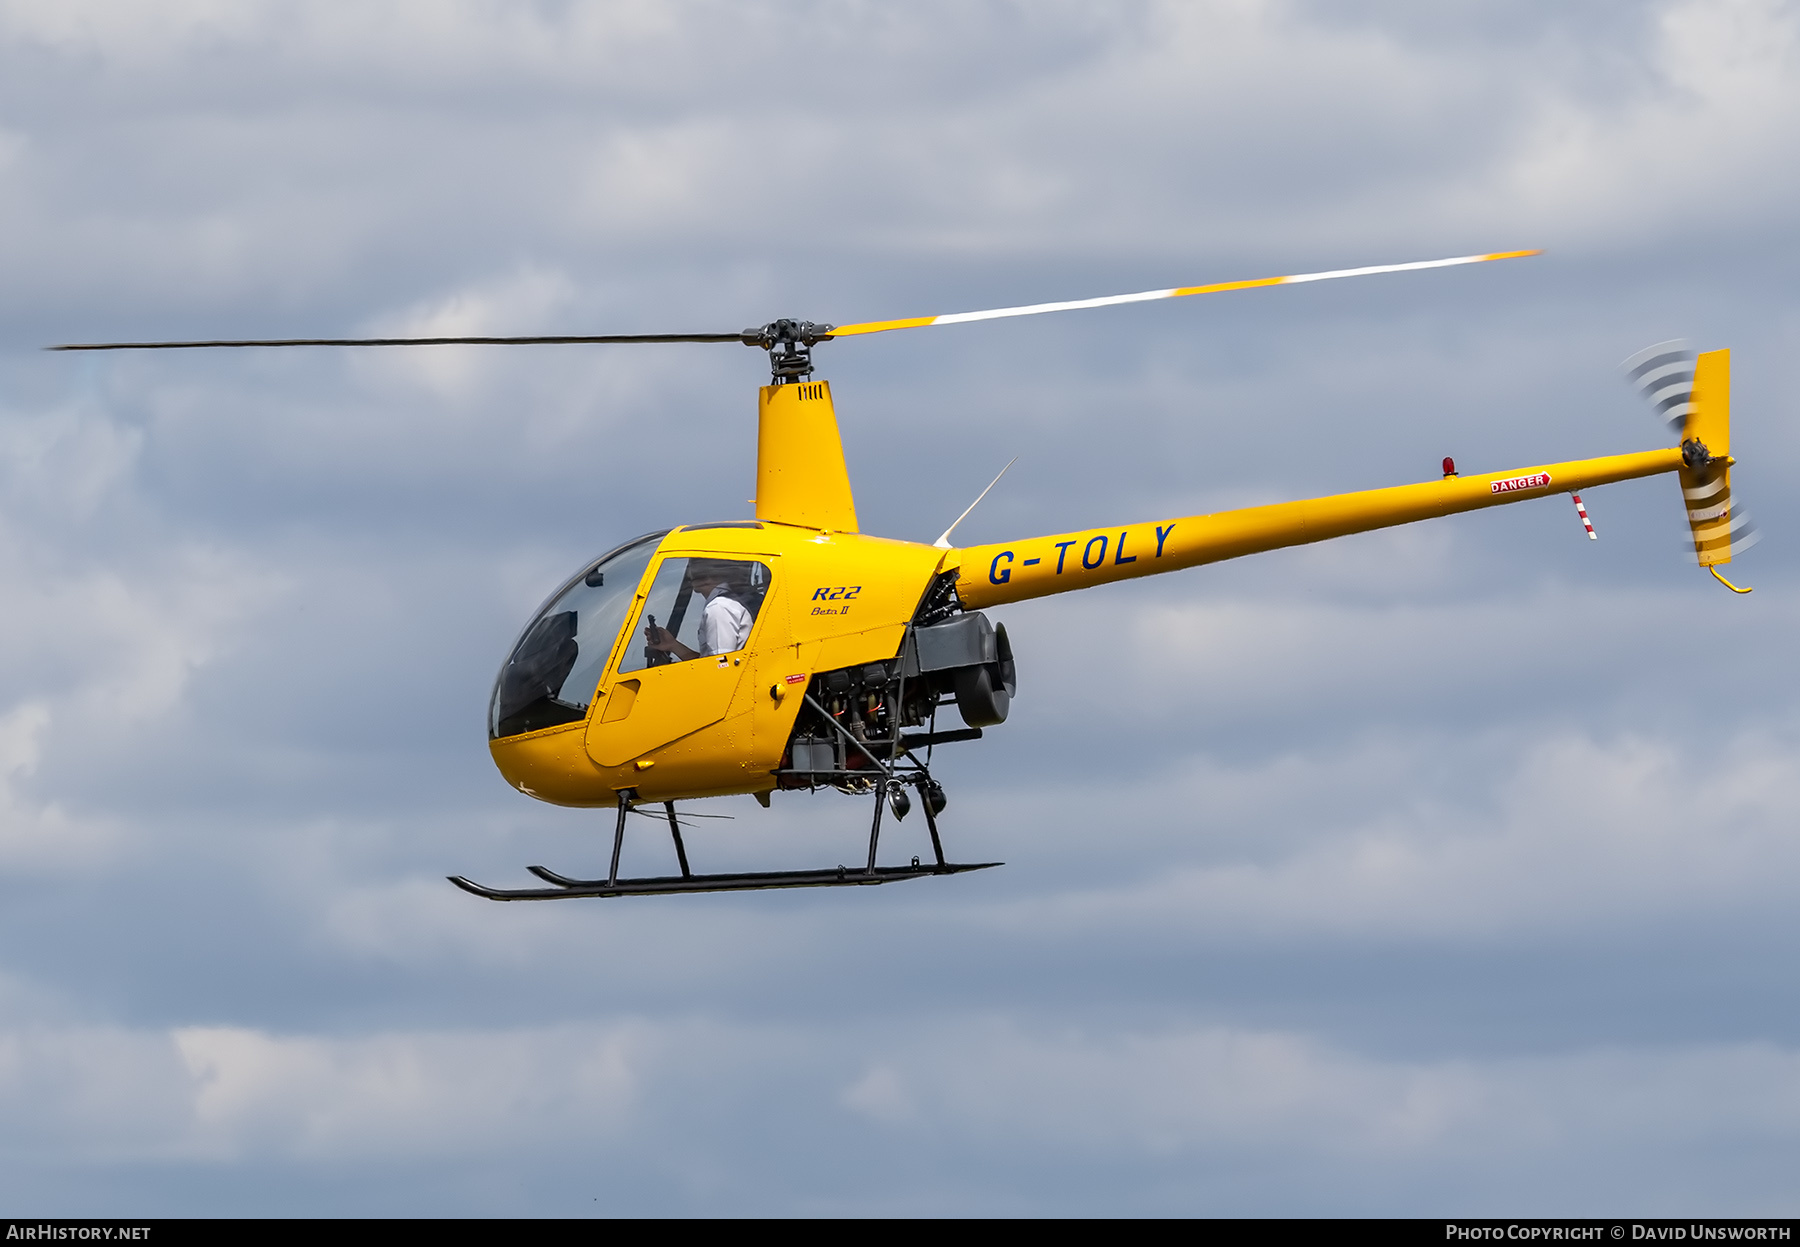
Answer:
(697, 608)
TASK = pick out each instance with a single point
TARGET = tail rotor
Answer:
(1692, 394)
(1664, 375)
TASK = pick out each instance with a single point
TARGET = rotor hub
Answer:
(789, 344)
(1695, 455)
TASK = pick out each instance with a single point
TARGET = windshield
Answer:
(557, 662)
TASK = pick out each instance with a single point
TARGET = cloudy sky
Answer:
(1447, 870)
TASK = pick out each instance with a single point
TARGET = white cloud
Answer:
(104, 627)
(1397, 1124)
(1171, 131)
(414, 1094)
(43, 834)
(228, 1093)
(1692, 142)
(532, 300)
(880, 1095)
(129, 31)
(1160, 1101)
(1570, 835)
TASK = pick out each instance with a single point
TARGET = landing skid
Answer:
(563, 887)
(841, 877)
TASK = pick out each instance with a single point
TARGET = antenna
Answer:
(943, 543)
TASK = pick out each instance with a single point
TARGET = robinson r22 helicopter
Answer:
(794, 651)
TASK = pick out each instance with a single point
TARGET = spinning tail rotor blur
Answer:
(1691, 393)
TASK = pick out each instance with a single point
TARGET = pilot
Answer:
(724, 622)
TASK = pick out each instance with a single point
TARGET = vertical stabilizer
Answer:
(800, 473)
(1710, 418)
(1720, 528)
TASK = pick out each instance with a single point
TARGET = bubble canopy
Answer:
(556, 664)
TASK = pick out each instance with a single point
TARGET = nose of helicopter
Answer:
(544, 688)
(553, 766)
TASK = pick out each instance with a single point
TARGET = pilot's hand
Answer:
(660, 639)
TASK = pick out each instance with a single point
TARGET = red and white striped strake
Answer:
(1585, 521)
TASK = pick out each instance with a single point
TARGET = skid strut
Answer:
(562, 887)
(626, 796)
(680, 848)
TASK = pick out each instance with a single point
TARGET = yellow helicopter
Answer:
(794, 651)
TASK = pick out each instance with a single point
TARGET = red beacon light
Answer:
(1449, 467)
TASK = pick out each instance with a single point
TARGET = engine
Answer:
(856, 715)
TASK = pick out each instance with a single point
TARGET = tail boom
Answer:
(992, 575)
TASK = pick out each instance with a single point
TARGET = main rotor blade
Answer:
(1177, 292)
(752, 337)
(536, 341)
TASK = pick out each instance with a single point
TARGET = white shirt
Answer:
(724, 624)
